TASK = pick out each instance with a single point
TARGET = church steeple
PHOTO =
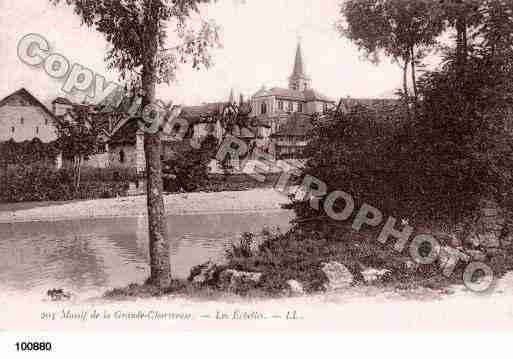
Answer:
(298, 62)
(298, 80)
(231, 99)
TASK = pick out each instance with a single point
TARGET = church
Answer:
(278, 118)
(288, 111)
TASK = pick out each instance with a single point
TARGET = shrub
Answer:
(24, 183)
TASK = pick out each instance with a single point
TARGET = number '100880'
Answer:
(33, 346)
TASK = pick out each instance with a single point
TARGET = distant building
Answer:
(289, 111)
(23, 117)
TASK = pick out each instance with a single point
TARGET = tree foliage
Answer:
(403, 30)
(138, 32)
(458, 148)
(124, 23)
(78, 139)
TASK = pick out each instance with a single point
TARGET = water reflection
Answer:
(85, 255)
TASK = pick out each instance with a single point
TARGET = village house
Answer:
(276, 121)
(24, 118)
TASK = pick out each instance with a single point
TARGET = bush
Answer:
(187, 169)
(27, 183)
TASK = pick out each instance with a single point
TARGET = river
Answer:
(92, 255)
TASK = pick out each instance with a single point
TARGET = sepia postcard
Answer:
(284, 166)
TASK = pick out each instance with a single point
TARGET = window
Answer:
(299, 107)
(263, 108)
(280, 105)
(37, 130)
(12, 129)
(290, 106)
(22, 120)
(325, 107)
(46, 121)
(121, 156)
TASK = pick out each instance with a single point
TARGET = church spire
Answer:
(299, 70)
(231, 99)
(298, 80)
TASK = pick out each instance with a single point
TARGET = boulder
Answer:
(58, 294)
(238, 281)
(490, 239)
(476, 255)
(339, 277)
(294, 287)
(372, 274)
(203, 274)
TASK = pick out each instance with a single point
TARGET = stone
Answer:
(295, 287)
(448, 254)
(339, 277)
(372, 274)
(476, 255)
(203, 274)
(238, 281)
(489, 240)
(58, 294)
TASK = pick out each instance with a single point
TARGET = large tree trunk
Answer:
(461, 43)
(159, 244)
(405, 88)
(413, 74)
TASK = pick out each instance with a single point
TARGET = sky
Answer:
(259, 39)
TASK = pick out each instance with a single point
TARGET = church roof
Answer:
(288, 94)
(299, 68)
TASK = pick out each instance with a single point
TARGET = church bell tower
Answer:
(298, 80)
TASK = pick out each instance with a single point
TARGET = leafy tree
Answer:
(77, 140)
(137, 31)
(188, 169)
(401, 29)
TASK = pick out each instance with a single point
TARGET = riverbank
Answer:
(254, 200)
(359, 309)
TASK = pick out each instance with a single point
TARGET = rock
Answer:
(58, 294)
(448, 254)
(203, 274)
(238, 281)
(295, 287)
(373, 274)
(476, 255)
(490, 239)
(339, 277)
(494, 251)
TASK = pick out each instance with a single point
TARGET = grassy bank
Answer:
(299, 255)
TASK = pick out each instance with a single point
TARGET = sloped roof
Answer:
(195, 114)
(62, 100)
(372, 104)
(285, 93)
(31, 98)
(313, 95)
